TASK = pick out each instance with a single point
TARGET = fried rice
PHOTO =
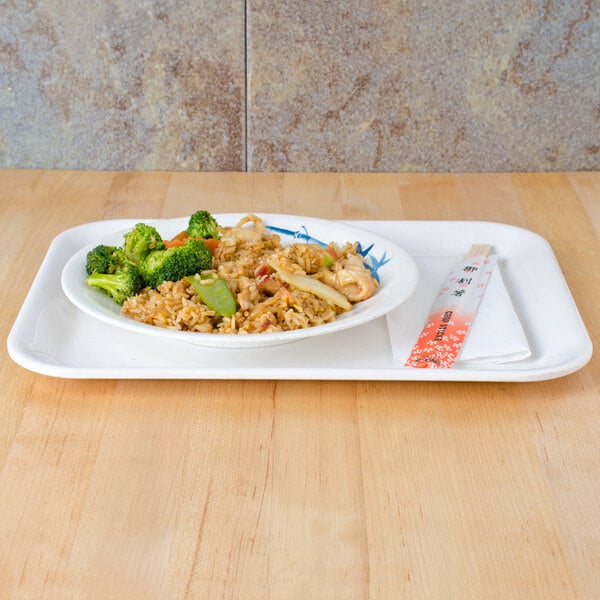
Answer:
(256, 267)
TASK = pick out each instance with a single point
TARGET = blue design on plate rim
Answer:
(371, 262)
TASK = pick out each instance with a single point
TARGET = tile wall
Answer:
(270, 85)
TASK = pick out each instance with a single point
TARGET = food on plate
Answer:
(231, 279)
(140, 241)
(172, 264)
(110, 271)
(203, 225)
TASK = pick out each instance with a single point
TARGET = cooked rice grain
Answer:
(265, 303)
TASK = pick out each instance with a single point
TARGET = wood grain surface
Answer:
(299, 489)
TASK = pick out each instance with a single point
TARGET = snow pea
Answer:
(215, 293)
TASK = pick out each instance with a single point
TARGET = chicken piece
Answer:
(351, 278)
(355, 284)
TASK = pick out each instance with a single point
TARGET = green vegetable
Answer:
(175, 263)
(110, 271)
(120, 284)
(105, 259)
(215, 293)
(202, 224)
(140, 241)
(327, 260)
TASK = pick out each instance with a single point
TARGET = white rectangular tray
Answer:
(52, 337)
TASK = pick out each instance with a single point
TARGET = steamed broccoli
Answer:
(126, 281)
(203, 225)
(104, 259)
(140, 241)
(175, 263)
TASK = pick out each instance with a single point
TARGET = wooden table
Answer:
(299, 489)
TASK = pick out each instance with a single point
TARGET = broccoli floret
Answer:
(119, 285)
(203, 225)
(104, 259)
(140, 241)
(175, 263)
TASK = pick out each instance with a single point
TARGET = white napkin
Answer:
(495, 337)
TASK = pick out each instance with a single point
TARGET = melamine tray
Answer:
(52, 337)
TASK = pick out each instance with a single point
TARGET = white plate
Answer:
(53, 337)
(394, 268)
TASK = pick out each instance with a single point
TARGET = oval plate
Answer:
(392, 266)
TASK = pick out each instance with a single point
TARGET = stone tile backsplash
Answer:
(149, 85)
(266, 85)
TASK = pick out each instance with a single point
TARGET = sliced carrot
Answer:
(182, 235)
(211, 243)
(181, 238)
(173, 243)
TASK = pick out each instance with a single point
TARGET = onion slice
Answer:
(313, 286)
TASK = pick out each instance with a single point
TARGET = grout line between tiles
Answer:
(246, 85)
